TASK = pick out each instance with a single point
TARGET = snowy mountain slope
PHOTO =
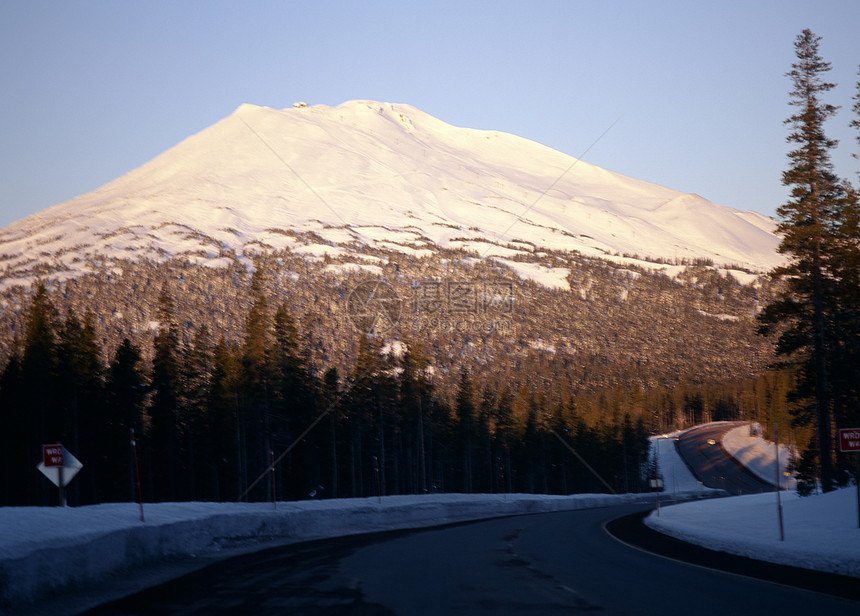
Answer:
(368, 174)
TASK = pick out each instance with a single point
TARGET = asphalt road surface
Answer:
(561, 563)
(713, 466)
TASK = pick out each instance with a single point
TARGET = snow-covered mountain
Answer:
(340, 180)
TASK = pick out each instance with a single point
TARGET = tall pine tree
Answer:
(81, 381)
(227, 432)
(257, 390)
(813, 239)
(196, 374)
(17, 481)
(466, 430)
(164, 409)
(125, 392)
(39, 381)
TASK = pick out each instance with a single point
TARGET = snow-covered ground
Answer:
(45, 550)
(821, 532)
(49, 550)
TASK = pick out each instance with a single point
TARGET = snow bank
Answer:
(47, 550)
(821, 532)
(759, 455)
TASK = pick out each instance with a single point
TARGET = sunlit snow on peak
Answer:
(374, 174)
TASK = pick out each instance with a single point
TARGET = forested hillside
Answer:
(221, 370)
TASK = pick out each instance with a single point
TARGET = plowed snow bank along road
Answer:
(713, 465)
(558, 563)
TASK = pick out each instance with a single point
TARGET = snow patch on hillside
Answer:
(551, 277)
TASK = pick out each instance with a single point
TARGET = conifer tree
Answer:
(294, 407)
(856, 121)
(164, 409)
(558, 454)
(196, 379)
(358, 412)
(465, 410)
(39, 368)
(81, 378)
(47, 424)
(256, 392)
(329, 402)
(484, 462)
(416, 394)
(224, 408)
(850, 291)
(814, 240)
(17, 486)
(503, 439)
(125, 394)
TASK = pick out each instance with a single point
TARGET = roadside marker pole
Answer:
(849, 441)
(274, 494)
(778, 483)
(857, 483)
(137, 474)
(378, 484)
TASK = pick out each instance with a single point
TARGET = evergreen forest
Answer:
(212, 418)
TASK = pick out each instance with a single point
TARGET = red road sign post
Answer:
(849, 441)
(59, 466)
(778, 484)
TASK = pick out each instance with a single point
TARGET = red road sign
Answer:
(52, 456)
(849, 439)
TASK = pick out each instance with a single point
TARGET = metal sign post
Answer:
(657, 485)
(52, 457)
(849, 441)
(137, 474)
(274, 485)
(778, 483)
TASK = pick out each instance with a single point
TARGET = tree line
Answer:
(213, 418)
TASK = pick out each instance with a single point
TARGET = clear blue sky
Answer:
(89, 90)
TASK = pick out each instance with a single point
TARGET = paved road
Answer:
(713, 465)
(562, 563)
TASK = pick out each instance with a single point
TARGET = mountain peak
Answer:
(380, 175)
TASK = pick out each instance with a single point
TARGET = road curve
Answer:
(701, 449)
(559, 563)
